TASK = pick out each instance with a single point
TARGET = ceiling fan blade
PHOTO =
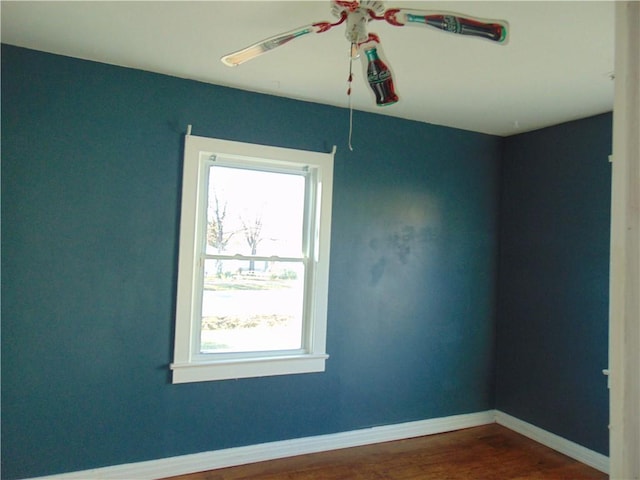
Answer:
(236, 58)
(493, 30)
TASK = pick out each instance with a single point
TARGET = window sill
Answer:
(247, 368)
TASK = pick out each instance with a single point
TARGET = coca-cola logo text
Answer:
(379, 77)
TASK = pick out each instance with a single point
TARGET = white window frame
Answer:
(190, 365)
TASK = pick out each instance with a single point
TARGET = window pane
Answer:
(254, 212)
(249, 307)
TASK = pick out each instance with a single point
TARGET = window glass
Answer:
(254, 212)
(245, 310)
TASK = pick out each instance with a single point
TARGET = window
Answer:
(253, 263)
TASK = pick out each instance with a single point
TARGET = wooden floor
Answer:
(490, 452)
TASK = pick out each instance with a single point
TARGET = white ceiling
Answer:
(557, 66)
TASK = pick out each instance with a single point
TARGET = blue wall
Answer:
(552, 332)
(90, 199)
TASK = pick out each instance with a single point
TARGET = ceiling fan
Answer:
(356, 15)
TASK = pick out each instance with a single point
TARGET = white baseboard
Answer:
(198, 462)
(562, 445)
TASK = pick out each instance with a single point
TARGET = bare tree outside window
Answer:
(217, 237)
(253, 235)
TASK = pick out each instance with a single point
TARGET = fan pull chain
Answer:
(350, 81)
